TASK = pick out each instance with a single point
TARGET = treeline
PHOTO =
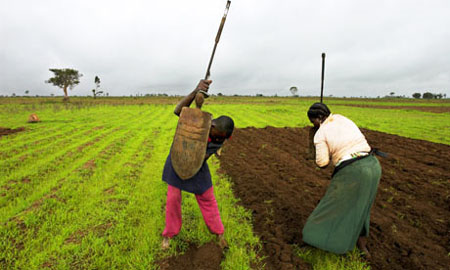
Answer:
(429, 95)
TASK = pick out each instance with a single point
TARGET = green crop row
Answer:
(93, 197)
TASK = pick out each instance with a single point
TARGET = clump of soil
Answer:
(410, 228)
(7, 131)
(33, 118)
(206, 257)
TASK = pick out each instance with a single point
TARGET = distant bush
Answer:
(429, 95)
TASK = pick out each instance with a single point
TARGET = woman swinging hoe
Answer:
(200, 183)
(186, 168)
(342, 217)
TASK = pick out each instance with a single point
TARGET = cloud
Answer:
(373, 47)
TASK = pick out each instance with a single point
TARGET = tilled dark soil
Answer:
(410, 227)
(206, 257)
(7, 131)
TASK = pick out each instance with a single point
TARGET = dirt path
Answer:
(410, 226)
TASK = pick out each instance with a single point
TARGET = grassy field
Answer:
(83, 190)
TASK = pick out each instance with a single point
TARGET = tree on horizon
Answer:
(65, 78)
(427, 95)
(294, 90)
(97, 86)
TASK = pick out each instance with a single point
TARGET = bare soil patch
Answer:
(8, 131)
(410, 228)
(98, 230)
(110, 190)
(90, 165)
(206, 257)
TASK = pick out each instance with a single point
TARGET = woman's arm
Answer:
(322, 151)
(187, 101)
(311, 155)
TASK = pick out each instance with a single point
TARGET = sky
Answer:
(373, 47)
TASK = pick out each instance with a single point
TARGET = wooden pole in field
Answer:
(323, 74)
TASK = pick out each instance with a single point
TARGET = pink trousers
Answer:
(208, 207)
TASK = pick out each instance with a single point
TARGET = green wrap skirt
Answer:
(343, 214)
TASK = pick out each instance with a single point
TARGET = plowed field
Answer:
(410, 228)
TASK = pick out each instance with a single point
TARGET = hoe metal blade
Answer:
(190, 142)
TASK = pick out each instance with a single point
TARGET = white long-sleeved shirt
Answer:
(337, 137)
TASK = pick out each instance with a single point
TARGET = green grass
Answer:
(83, 190)
(322, 260)
(434, 127)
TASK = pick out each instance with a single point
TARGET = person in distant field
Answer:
(342, 217)
(200, 184)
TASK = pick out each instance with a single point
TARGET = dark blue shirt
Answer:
(197, 184)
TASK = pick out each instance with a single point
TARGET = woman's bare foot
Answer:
(165, 243)
(362, 246)
(223, 244)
